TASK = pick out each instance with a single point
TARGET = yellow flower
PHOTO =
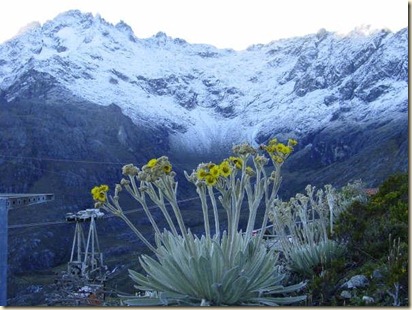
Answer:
(249, 171)
(211, 165)
(102, 197)
(104, 188)
(99, 193)
(167, 168)
(201, 174)
(280, 147)
(94, 190)
(225, 169)
(210, 180)
(215, 171)
(271, 148)
(152, 163)
(238, 162)
(277, 159)
(292, 142)
(287, 150)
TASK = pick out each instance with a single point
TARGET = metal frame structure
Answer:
(83, 283)
(86, 259)
(8, 202)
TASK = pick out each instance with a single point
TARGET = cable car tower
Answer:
(86, 259)
(86, 273)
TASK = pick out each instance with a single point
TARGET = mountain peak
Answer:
(30, 26)
(122, 26)
(73, 17)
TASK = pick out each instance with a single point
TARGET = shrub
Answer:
(366, 228)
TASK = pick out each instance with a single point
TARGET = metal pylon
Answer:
(86, 259)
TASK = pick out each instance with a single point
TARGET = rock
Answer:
(376, 274)
(346, 294)
(368, 300)
(356, 281)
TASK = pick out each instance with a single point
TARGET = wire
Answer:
(66, 160)
(154, 206)
(36, 224)
(104, 217)
(78, 161)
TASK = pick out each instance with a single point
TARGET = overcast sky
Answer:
(223, 23)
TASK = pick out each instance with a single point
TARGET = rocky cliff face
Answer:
(80, 97)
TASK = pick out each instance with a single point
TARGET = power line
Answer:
(36, 224)
(104, 217)
(65, 160)
(78, 161)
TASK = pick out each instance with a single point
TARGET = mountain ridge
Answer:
(186, 87)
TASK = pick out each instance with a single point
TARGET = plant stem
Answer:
(170, 195)
(215, 212)
(118, 212)
(141, 199)
(159, 201)
(202, 194)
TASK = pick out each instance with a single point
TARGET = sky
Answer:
(233, 24)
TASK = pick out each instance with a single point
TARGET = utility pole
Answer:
(8, 202)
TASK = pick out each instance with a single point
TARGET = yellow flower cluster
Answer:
(279, 151)
(99, 193)
(244, 149)
(237, 162)
(161, 163)
(155, 168)
(210, 172)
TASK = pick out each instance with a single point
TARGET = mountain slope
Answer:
(211, 95)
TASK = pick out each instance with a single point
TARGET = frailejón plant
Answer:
(227, 267)
(304, 226)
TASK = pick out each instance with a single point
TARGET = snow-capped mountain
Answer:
(335, 93)
(294, 86)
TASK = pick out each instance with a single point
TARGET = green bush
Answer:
(365, 226)
(376, 233)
